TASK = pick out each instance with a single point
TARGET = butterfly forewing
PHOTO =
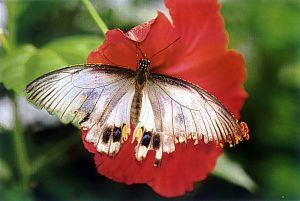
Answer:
(96, 96)
(72, 92)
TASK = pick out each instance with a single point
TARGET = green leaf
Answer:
(27, 63)
(44, 61)
(5, 172)
(233, 173)
(12, 67)
(75, 49)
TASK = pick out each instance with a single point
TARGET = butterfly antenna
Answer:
(164, 48)
(140, 50)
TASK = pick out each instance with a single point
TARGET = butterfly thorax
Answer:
(141, 77)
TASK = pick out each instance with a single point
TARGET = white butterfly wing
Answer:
(99, 98)
(96, 96)
(175, 111)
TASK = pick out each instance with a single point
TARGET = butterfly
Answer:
(105, 100)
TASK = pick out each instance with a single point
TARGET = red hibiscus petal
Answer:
(187, 165)
(176, 175)
(140, 32)
(199, 56)
(200, 26)
(116, 50)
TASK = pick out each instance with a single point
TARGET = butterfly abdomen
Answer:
(136, 107)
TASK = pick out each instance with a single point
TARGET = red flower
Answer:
(199, 56)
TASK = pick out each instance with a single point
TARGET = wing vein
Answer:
(184, 123)
(105, 108)
(102, 85)
(49, 93)
(53, 96)
(205, 126)
(71, 103)
(62, 99)
(174, 99)
(82, 105)
(173, 129)
(195, 124)
(40, 85)
(161, 122)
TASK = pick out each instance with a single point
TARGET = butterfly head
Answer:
(144, 64)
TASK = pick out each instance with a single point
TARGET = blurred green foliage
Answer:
(46, 35)
(268, 33)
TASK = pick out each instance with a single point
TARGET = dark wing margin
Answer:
(73, 93)
(185, 111)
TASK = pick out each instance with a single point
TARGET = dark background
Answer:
(58, 33)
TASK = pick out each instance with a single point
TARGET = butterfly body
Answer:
(141, 77)
(106, 100)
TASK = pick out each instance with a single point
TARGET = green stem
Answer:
(13, 8)
(4, 41)
(95, 16)
(20, 148)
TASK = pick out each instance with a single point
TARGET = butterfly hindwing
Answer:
(180, 111)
